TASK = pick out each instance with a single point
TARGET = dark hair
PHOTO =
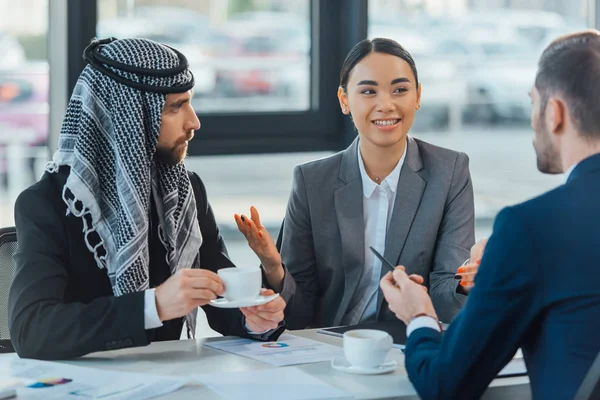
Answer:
(377, 45)
(570, 66)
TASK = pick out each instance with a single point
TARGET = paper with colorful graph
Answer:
(50, 380)
(288, 350)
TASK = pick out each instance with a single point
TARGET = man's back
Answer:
(538, 288)
(562, 341)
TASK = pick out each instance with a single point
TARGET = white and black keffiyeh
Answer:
(108, 139)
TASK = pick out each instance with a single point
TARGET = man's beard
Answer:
(175, 154)
(548, 157)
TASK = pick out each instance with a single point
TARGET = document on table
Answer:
(270, 384)
(288, 350)
(52, 381)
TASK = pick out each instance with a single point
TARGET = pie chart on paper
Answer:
(275, 345)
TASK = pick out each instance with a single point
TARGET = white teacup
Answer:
(241, 283)
(366, 348)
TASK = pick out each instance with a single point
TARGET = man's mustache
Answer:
(186, 138)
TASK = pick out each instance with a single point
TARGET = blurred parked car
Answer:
(498, 70)
(24, 112)
(267, 45)
(530, 26)
(259, 67)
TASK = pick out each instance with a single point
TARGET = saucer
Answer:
(256, 301)
(341, 364)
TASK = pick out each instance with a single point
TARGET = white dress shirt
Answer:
(151, 319)
(378, 204)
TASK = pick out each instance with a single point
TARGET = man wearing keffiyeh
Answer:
(117, 242)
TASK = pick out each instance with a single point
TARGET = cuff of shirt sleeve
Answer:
(151, 319)
(257, 333)
(268, 335)
(422, 322)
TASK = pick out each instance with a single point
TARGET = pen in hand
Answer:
(388, 264)
(382, 259)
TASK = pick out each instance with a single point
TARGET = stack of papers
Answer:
(288, 350)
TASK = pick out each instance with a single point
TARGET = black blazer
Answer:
(61, 305)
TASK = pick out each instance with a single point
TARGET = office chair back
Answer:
(8, 247)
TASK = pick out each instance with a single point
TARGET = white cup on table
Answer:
(366, 348)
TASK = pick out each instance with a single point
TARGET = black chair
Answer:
(8, 247)
(590, 387)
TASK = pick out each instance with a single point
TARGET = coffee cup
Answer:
(366, 348)
(241, 283)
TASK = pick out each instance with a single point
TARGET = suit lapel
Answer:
(408, 198)
(349, 211)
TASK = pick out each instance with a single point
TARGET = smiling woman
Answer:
(410, 200)
(382, 109)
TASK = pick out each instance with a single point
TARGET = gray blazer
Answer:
(322, 241)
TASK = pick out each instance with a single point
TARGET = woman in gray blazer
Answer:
(408, 199)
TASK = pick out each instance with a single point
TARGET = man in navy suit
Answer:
(538, 285)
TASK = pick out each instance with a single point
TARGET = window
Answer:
(23, 99)
(246, 56)
(477, 60)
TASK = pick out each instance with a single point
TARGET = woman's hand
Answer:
(262, 244)
(466, 273)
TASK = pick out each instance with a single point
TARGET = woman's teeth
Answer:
(388, 122)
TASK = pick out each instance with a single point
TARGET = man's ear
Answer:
(555, 115)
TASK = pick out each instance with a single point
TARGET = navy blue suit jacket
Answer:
(538, 288)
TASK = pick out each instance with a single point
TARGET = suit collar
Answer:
(585, 167)
(391, 180)
(413, 156)
(350, 170)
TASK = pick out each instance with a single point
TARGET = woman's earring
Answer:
(345, 110)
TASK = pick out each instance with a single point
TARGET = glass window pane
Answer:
(477, 60)
(246, 55)
(23, 99)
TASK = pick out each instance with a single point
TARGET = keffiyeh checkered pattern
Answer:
(108, 139)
